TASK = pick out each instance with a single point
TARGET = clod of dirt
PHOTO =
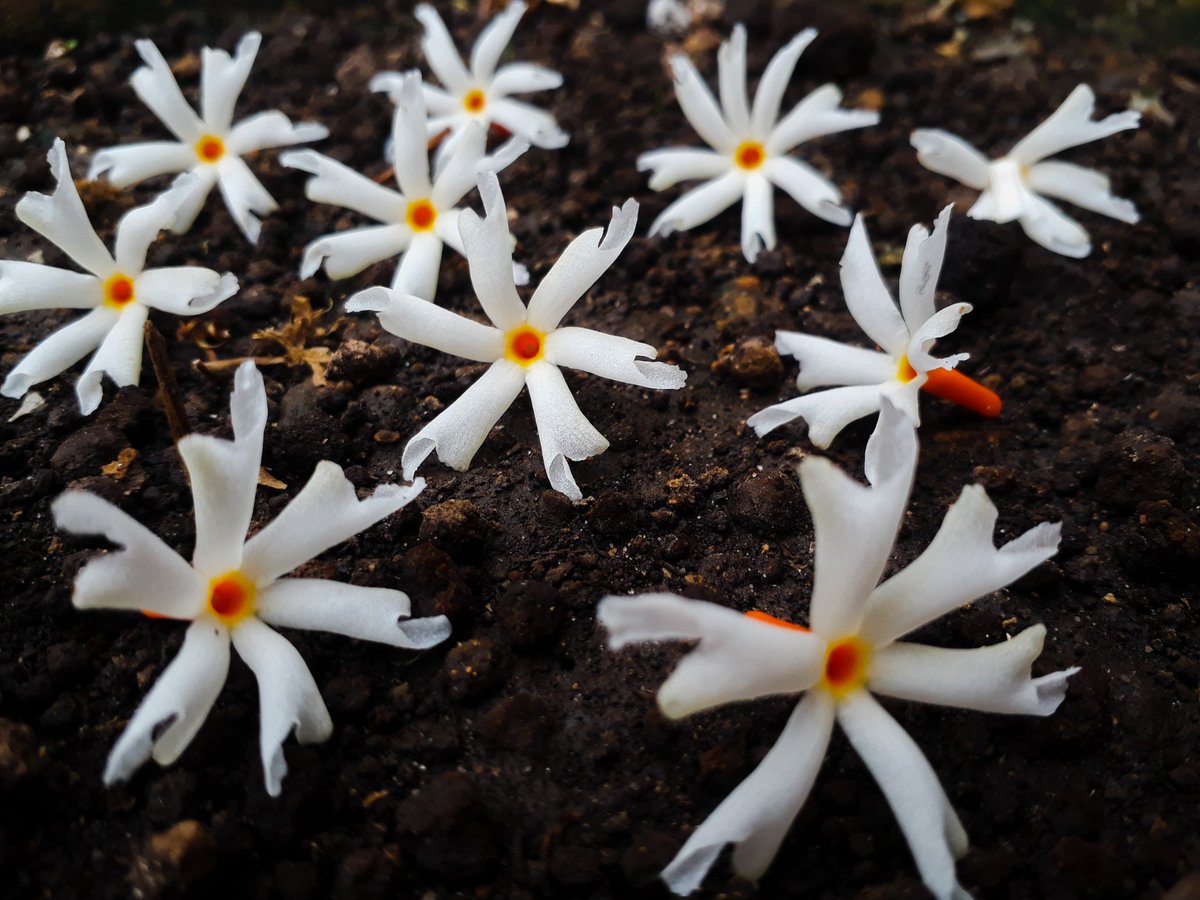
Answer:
(19, 758)
(84, 452)
(456, 526)
(474, 669)
(1140, 465)
(754, 362)
(451, 809)
(767, 503)
(521, 722)
(360, 362)
(531, 613)
(184, 853)
(613, 514)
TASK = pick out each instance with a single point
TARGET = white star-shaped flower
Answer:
(1014, 184)
(210, 145)
(233, 591)
(419, 219)
(906, 335)
(482, 94)
(750, 157)
(525, 346)
(120, 291)
(850, 650)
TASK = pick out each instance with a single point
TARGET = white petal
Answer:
(244, 196)
(138, 228)
(564, 431)
(265, 130)
(774, 82)
(934, 834)
(960, 565)
(349, 252)
(438, 102)
(700, 204)
(326, 512)
(758, 217)
(456, 171)
(759, 812)
(460, 429)
(737, 657)
(184, 290)
(672, 165)
(581, 264)
(492, 41)
(145, 574)
(1071, 125)
(366, 613)
(1049, 226)
(947, 154)
(222, 79)
(996, 679)
(699, 106)
(1006, 196)
(25, 286)
(489, 254)
(809, 188)
(610, 356)
(125, 166)
(418, 271)
(119, 357)
(855, 525)
(446, 228)
(410, 151)
(1083, 187)
(61, 219)
(224, 476)
(60, 351)
(195, 193)
(826, 412)
(828, 362)
(867, 297)
(416, 320)
(731, 80)
(818, 114)
(521, 78)
(390, 82)
(157, 88)
(339, 185)
(171, 714)
(938, 325)
(440, 52)
(920, 269)
(288, 698)
(536, 125)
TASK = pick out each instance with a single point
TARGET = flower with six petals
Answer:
(233, 591)
(750, 145)
(851, 649)
(209, 145)
(1013, 185)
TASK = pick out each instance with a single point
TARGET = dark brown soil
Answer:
(523, 759)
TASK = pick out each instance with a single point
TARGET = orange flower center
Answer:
(231, 598)
(474, 101)
(210, 148)
(421, 215)
(524, 345)
(846, 666)
(904, 371)
(118, 290)
(750, 155)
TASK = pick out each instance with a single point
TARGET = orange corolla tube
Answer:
(761, 616)
(952, 385)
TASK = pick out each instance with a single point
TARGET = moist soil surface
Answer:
(522, 758)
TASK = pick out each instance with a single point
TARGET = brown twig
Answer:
(168, 389)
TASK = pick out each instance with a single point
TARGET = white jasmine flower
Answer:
(849, 651)
(906, 335)
(668, 18)
(750, 145)
(118, 289)
(482, 94)
(1013, 185)
(233, 591)
(419, 219)
(525, 346)
(209, 145)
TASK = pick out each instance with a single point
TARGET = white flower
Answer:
(906, 335)
(209, 145)
(750, 147)
(120, 291)
(850, 650)
(1012, 184)
(419, 219)
(525, 346)
(482, 94)
(232, 591)
(668, 18)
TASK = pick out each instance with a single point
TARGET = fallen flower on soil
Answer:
(750, 145)
(1012, 185)
(851, 649)
(525, 346)
(906, 335)
(419, 219)
(210, 146)
(233, 590)
(483, 94)
(119, 291)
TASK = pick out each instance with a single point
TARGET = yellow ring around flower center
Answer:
(524, 345)
(846, 662)
(118, 291)
(474, 101)
(904, 371)
(421, 215)
(231, 598)
(750, 155)
(210, 148)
